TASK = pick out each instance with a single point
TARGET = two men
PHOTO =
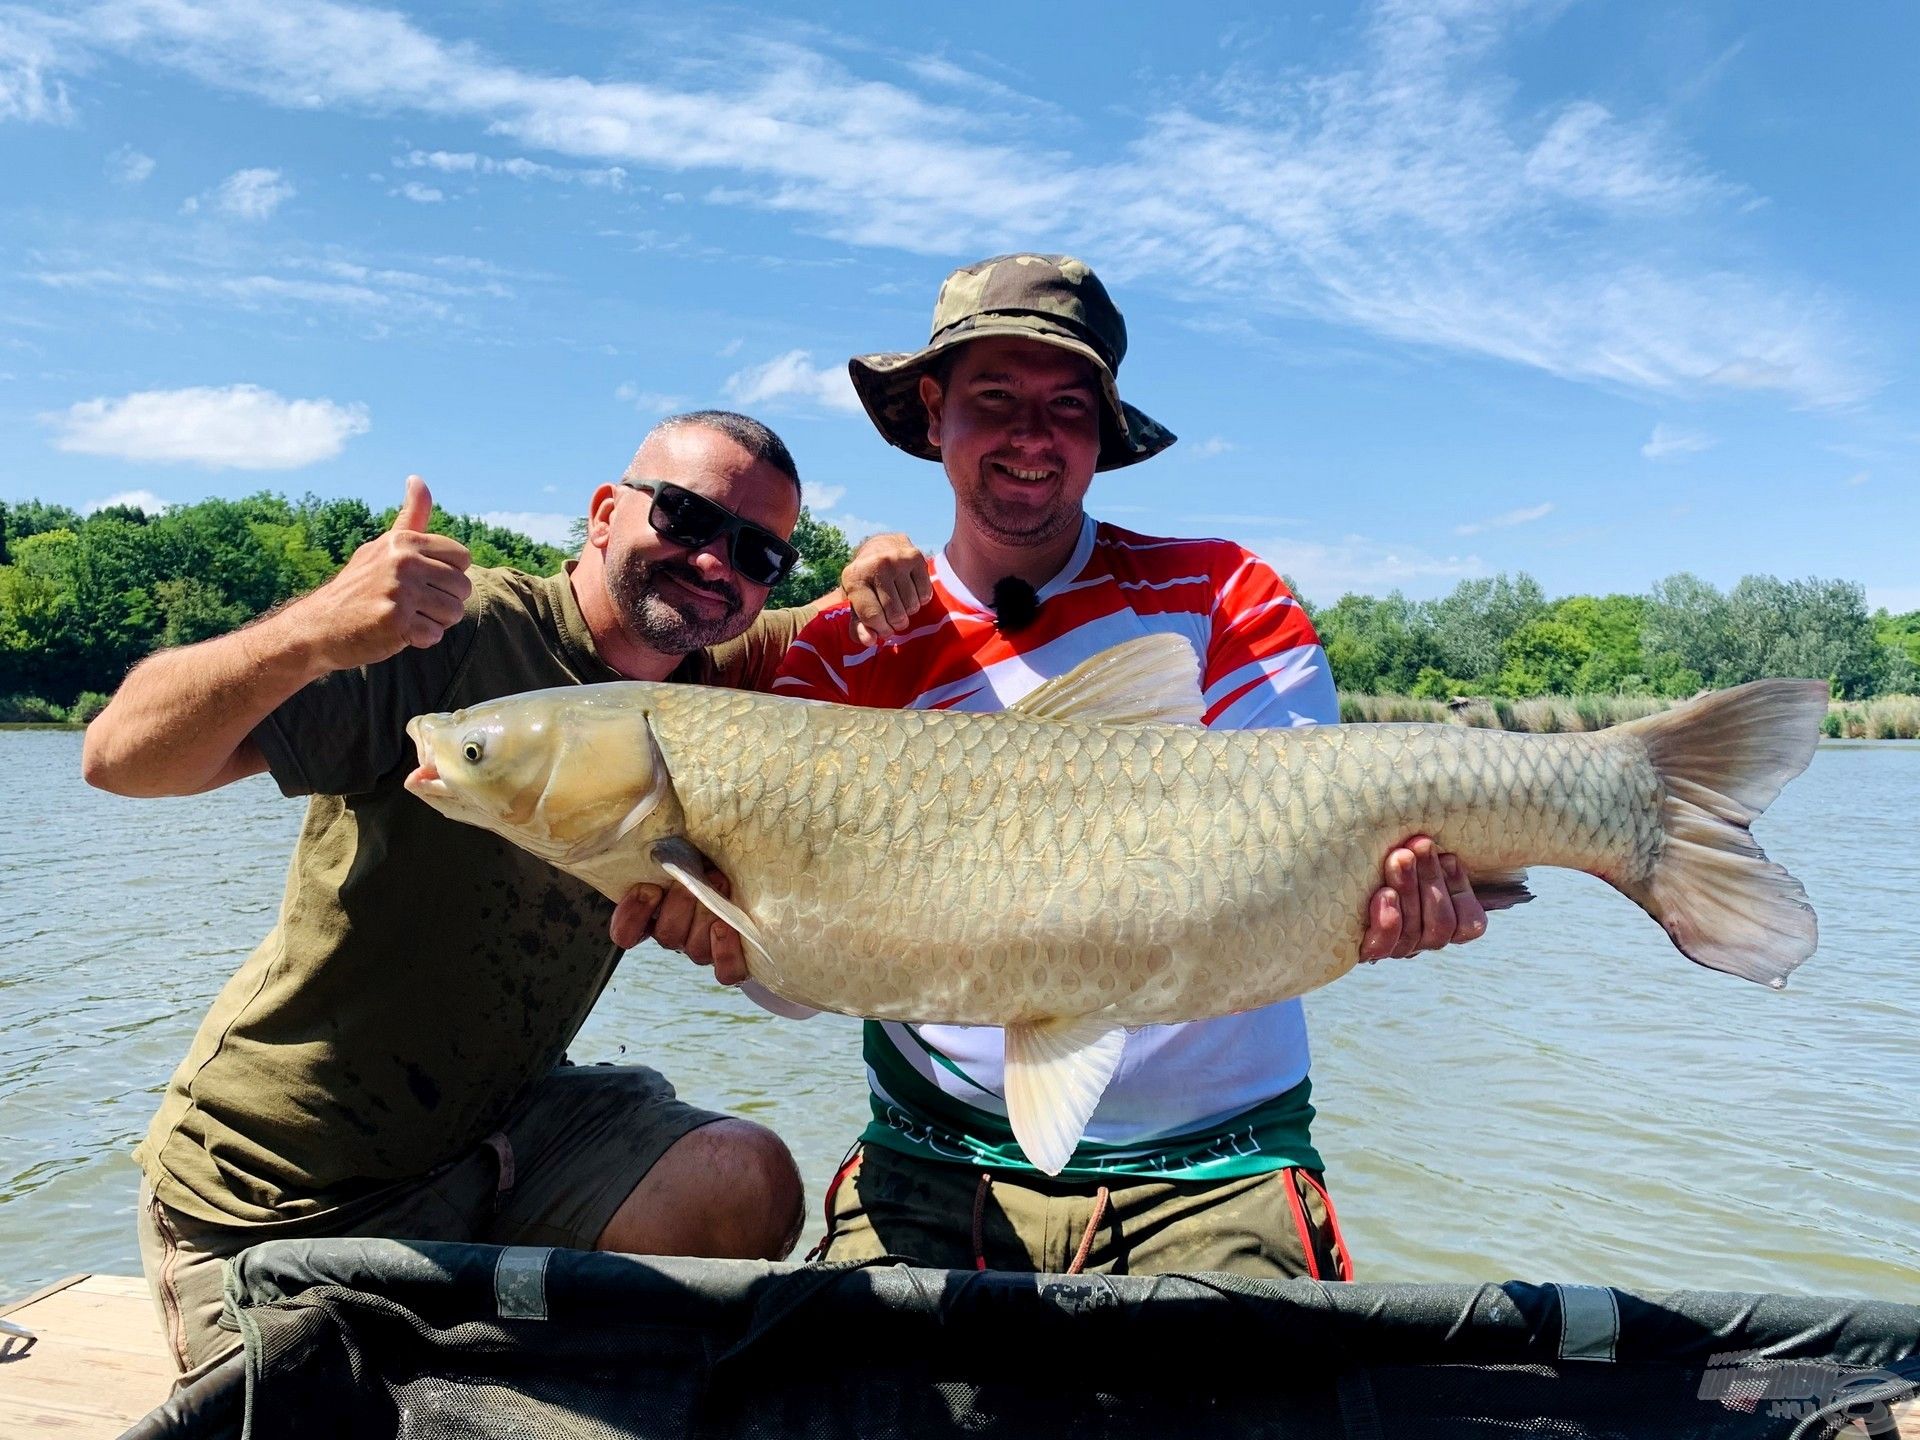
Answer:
(390, 1060)
(1199, 1154)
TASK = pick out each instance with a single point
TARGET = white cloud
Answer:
(1414, 192)
(650, 402)
(546, 527)
(239, 427)
(252, 194)
(29, 49)
(378, 292)
(1325, 571)
(1860, 477)
(1213, 445)
(610, 177)
(1523, 516)
(821, 498)
(1667, 441)
(793, 377)
(422, 194)
(139, 499)
(857, 527)
(128, 166)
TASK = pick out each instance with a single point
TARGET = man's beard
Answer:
(1019, 525)
(664, 622)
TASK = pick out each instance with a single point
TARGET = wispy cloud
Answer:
(239, 427)
(383, 293)
(139, 499)
(790, 378)
(1411, 194)
(548, 527)
(1210, 447)
(28, 51)
(1860, 477)
(245, 195)
(421, 194)
(610, 177)
(1326, 570)
(1526, 515)
(822, 498)
(127, 166)
(1668, 441)
(650, 402)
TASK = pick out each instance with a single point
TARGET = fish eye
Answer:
(472, 750)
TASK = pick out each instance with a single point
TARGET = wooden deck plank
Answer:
(98, 1364)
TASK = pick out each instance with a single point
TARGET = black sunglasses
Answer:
(759, 556)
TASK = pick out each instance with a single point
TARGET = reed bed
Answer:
(1890, 717)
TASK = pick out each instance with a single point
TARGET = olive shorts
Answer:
(555, 1174)
(1278, 1225)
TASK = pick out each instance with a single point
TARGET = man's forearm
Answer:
(179, 723)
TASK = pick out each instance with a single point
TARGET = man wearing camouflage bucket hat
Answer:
(1198, 1155)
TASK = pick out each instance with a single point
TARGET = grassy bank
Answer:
(32, 710)
(1890, 717)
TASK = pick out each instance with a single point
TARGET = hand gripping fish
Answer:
(1091, 860)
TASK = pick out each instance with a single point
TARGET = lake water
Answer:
(1568, 1099)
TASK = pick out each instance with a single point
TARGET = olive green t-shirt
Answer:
(423, 972)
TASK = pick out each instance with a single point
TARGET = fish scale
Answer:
(1084, 859)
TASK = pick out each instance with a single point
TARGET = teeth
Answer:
(1026, 474)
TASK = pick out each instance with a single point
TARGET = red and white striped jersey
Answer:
(1179, 1088)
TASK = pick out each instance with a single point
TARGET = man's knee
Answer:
(729, 1189)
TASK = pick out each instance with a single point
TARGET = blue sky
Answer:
(1430, 289)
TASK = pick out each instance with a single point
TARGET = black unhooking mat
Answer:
(378, 1338)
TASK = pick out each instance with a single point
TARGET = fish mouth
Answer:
(424, 779)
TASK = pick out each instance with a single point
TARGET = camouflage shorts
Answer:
(554, 1175)
(1279, 1225)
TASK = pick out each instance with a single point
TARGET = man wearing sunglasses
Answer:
(1198, 1156)
(390, 1060)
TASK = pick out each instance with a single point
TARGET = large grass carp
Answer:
(1091, 860)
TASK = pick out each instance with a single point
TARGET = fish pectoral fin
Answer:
(1056, 1071)
(1152, 679)
(1501, 889)
(680, 860)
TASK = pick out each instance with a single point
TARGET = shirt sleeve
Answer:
(1265, 667)
(345, 732)
(815, 667)
(752, 660)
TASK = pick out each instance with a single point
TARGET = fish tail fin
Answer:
(1724, 758)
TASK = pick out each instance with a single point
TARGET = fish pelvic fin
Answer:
(1056, 1072)
(1501, 889)
(684, 864)
(1152, 679)
(1723, 758)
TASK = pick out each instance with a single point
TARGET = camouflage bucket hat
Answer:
(1054, 299)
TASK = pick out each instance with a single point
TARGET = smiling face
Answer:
(668, 598)
(1018, 426)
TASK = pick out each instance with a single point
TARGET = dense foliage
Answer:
(1503, 637)
(84, 597)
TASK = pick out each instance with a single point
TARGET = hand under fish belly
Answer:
(1092, 860)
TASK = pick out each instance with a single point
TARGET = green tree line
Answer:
(1503, 637)
(84, 597)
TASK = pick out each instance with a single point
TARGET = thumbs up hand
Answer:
(406, 587)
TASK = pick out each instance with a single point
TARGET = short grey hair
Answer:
(745, 431)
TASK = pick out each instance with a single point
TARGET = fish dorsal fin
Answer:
(1154, 679)
(1056, 1071)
